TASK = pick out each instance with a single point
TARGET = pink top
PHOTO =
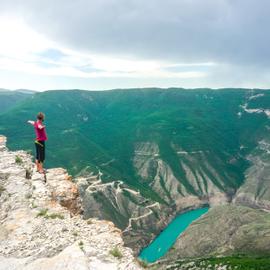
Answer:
(40, 132)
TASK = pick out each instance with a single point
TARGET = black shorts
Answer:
(40, 151)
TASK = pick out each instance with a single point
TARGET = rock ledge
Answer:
(41, 226)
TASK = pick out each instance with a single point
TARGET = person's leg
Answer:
(37, 156)
(42, 156)
(38, 165)
(41, 170)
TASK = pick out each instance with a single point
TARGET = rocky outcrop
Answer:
(40, 224)
(255, 192)
(139, 218)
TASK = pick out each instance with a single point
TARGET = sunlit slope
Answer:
(160, 141)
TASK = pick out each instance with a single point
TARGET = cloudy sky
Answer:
(105, 44)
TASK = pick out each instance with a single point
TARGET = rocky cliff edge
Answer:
(41, 226)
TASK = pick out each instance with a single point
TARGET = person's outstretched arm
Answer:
(31, 122)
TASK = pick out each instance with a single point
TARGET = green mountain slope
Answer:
(97, 128)
(179, 148)
(9, 99)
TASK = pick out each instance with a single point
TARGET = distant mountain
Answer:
(4, 90)
(25, 91)
(9, 99)
(153, 153)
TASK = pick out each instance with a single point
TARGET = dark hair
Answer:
(41, 116)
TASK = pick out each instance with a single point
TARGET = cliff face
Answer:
(199, 182)
(142, 219)
(135, 214)
(241, 227)
(41, 226)
(255, 192)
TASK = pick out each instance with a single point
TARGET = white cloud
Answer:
(22, 50)
(18, 40)
(125, 43)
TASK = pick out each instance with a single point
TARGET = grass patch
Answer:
(116, 253)
(55, 215)
(81, 245)
(232, 263)
(44, 213)
(2, 189)
(18, 160)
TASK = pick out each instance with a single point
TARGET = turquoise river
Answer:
(165, 240)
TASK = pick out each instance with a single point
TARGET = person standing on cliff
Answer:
(41, 137)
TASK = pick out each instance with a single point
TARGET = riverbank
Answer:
(165, 240)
